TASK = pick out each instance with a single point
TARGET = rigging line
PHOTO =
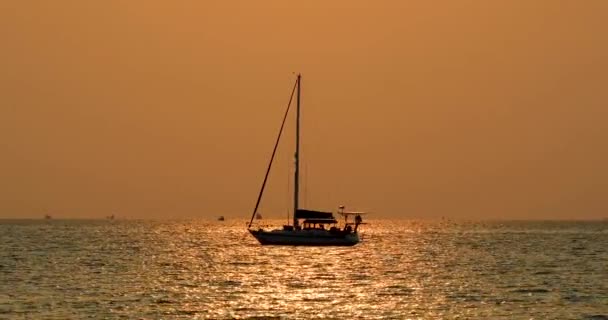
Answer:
(305, 185)
(288, 194)
(304, 148)
(257, 204)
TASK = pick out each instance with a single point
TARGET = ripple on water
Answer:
(403, 269)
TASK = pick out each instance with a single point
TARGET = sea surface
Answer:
(403, 269)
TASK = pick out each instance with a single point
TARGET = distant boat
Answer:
(221, 218)
(47, 217)
(309, 226)
(258, 216)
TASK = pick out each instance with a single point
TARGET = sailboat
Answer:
(309, 227)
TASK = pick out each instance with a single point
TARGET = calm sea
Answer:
(69, 269)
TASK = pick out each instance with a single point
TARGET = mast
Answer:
(297, 156)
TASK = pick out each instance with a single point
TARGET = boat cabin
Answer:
(314, 219)
(320, 220)
(319, 224)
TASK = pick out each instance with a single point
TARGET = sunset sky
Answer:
(412, 109)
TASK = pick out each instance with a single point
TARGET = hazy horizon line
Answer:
(459, 219)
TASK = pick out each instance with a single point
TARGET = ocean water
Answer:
(69, 269)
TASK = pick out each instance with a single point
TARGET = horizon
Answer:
(274, 219)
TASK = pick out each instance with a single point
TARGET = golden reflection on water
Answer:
(401, 269)
(231, 275)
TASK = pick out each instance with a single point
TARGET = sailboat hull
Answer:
(304, 238)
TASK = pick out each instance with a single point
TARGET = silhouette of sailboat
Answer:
(308, 226)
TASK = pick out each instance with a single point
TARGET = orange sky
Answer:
(462, 109)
